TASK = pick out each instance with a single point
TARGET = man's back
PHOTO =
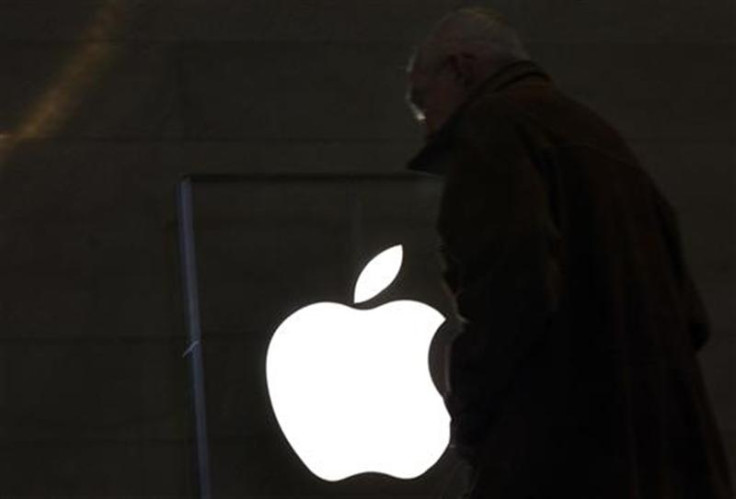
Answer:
(602, 395)
(635, 314)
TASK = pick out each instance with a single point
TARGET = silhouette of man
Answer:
(574, 374)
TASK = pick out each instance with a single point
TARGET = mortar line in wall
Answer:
(217, 140)
(346, 43)
(320, 141)
(234, 334)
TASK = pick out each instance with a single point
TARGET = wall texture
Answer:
(105, 103)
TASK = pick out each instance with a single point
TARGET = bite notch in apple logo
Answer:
(351, 389)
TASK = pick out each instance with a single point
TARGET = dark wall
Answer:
(104, 104)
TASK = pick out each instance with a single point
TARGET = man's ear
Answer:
(464, 66)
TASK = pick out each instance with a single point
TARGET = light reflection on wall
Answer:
(49, 111)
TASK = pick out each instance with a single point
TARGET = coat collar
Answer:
(425, 160)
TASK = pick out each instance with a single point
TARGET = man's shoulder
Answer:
(531, 113)
(537, 107)
(490, 108)
(499, 122)
(491, 119)
(548, 118)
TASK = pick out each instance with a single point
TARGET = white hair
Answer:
(481, 31)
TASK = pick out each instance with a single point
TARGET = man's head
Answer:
(462, 51)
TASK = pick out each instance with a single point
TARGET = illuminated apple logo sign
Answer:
(351, 389)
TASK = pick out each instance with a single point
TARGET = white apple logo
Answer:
(351, 388)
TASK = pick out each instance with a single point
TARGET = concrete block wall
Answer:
(94, 393)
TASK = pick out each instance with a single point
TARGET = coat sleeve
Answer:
(501, 266)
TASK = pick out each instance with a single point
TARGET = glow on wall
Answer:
(351, 389)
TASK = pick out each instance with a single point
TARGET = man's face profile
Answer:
(434, 91)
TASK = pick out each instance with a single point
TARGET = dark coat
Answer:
(575, 373)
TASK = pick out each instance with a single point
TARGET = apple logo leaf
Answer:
(378, 273)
